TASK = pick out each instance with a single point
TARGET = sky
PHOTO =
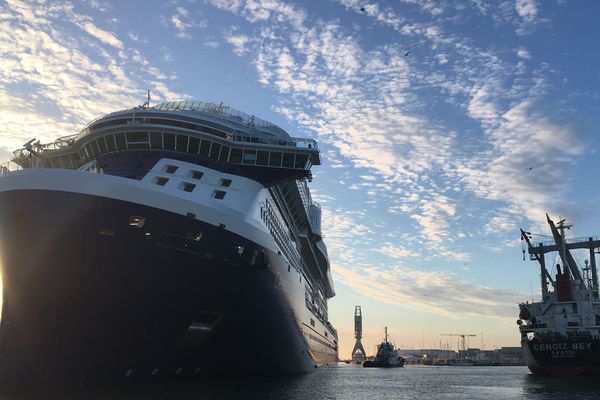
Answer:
(444, 127)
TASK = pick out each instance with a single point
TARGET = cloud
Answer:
(238, 42)
(52, 82)
(438, 293)
(526, 9)
(388, 249)
(523, 53)
(182, 21)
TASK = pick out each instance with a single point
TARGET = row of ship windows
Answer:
(193, 145)
(197, 127)
(312, 323)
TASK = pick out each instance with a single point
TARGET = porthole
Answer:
(136, 221)
(196, 174)
(160, 180)
(187, 187)
(225, 182)
(170, 169)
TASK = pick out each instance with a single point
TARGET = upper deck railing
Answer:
(9, 166)
(583, 239)
(223, 112)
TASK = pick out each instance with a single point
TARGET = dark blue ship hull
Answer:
(562, 356)
(89, 295)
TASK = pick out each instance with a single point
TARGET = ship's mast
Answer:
(563, 248)
(386, 334)
(558, 233)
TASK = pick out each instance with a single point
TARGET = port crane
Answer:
(358, 353)
(463, 338)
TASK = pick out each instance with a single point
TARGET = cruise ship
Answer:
(173, 240)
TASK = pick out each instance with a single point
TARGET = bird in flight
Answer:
(363, 9)
(406, 54)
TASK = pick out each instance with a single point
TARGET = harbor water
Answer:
(346, 382)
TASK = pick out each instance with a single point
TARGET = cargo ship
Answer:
(173, 240)
(560, 333)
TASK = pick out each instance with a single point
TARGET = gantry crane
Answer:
(463, 338)
(358, 353)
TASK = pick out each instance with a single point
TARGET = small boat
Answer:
(387, 356)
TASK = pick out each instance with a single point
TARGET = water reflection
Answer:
(540, 387)
(349, 382)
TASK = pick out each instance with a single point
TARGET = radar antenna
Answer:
(147, 103)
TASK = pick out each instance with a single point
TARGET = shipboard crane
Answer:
(358, 353)
(563, 248)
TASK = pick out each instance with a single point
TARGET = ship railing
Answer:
(9, 166)
(571, 240)
(60, 143)
(222, 111)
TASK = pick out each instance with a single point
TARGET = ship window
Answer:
(156, 140)
(301, 161)
(170, 168)
(110, 142)
(288, 160)
(136, 221)
(312, 322)
(120, 139)
(160, 180)
(169, 141)
(204, 148)
(224, 154)
(214, 151)
(96, 147)
(250, 157)
(275, 160)
(137, 137)
(187, 187)
(262, 158)
(326, 335)
(182, 143)
(236, 156)
(138, 146)
(196, 174)
(194, 145)
(88, 150)
(194, 235)
(225, 182)
(102, 143)
(219, 194)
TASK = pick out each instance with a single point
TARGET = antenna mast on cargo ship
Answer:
(358, 353)
(564, 247)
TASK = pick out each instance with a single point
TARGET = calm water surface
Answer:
(354, 382)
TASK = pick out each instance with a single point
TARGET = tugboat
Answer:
(387, 356)
(560, 334)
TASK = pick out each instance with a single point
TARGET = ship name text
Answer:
(562, 346)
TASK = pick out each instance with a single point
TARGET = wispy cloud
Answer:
(183, 21)
(439, 293)
(73, 78)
